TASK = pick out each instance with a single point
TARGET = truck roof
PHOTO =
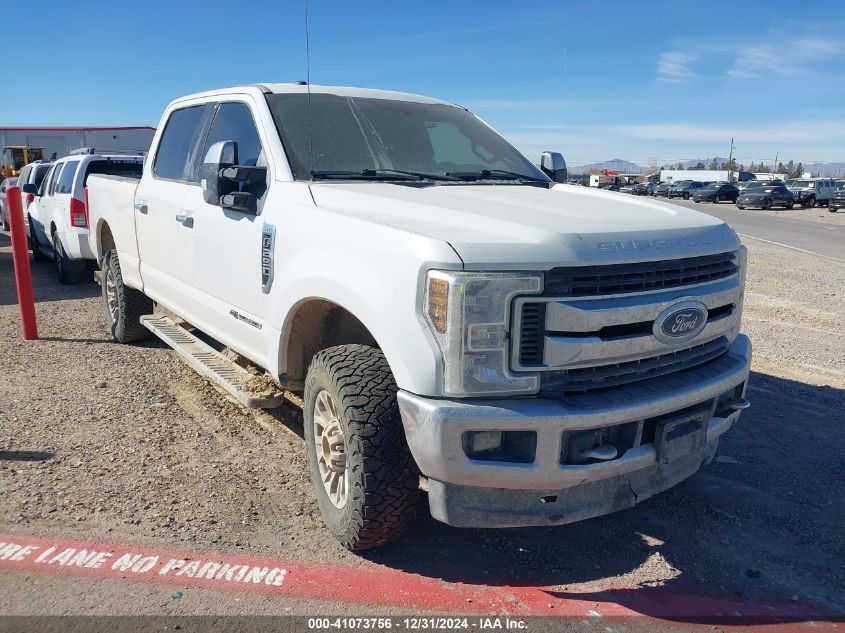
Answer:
(345, 91)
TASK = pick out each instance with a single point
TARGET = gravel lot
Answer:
(100, 441)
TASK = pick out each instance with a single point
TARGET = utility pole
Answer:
(730, 161)
(776, 162)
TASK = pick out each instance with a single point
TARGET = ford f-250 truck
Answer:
(456, 319)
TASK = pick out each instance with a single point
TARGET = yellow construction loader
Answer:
(16, 156)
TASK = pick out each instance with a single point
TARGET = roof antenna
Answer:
(308, 90)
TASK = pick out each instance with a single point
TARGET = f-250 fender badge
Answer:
(268, 240)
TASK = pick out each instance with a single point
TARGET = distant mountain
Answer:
(616, 164)
(826, 170)
(689, 164)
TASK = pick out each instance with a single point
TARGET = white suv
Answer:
(58, 215)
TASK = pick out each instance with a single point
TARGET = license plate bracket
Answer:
(677, 437)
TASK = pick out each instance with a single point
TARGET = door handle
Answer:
(141, 207)
(185, 220)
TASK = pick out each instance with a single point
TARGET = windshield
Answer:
(370, 138)
(803, 183)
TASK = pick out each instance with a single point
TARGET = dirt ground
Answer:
(100, 441)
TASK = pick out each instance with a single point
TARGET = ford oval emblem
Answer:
(680, 322)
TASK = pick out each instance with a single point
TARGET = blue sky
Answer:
(635, 80)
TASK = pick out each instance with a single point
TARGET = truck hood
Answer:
(531, 227)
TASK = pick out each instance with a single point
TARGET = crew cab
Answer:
(456, 319)
(57, 210)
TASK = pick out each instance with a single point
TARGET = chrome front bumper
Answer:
(512, 493)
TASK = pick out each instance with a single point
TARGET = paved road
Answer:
(787, 228)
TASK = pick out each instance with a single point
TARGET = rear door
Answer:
(169, 187)
(42, 211)
(60, 201)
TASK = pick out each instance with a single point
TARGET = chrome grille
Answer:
(609, 279)
(591, 379)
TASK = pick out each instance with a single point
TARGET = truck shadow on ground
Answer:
(44, 282)
(763, 521)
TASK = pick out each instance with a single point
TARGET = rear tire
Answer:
(67, 271)
(355, 442)
(37, 255)
(123, 306)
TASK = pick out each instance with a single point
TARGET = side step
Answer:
(249, 390)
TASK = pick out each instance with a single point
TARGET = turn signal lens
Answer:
(438, 303)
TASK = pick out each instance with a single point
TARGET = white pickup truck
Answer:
(458, 321)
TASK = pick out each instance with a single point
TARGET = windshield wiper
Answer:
(380, 174)
(421, 175)
(495, 174)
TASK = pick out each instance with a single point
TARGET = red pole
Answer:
(20, 257)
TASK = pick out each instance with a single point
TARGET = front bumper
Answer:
(469, 492)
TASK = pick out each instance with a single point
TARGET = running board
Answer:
(252, 391)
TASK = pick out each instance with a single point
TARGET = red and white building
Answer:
(61, 140)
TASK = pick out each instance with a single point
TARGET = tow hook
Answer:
(739, 405)
(605, 452)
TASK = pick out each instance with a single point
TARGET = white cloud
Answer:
(674, 66)
(797, 140)
(789, 58)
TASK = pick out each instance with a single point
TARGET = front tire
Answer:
(364, 477)
(124, 306)
(810, 203)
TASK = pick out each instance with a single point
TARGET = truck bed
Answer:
(111, 209)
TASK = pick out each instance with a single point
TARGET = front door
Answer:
(227, 243)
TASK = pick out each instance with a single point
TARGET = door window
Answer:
(234, 122)
(174, 152)
(54, 177)
(66, 181)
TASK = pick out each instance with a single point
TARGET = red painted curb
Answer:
(383, 586)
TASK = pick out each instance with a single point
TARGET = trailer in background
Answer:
(704, 175)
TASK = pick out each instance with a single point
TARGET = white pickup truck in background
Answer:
(540, 353)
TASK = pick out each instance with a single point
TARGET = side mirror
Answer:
(30, 188)
(554, 166)
(221, 178)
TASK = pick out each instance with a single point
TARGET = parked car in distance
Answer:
(837, 201)
(685, 189)
(651, 187)
(636, 188)
(766, 197)
(662, 189)
(716, 192)
(58, 215)
(4, 213)
(809, 192)
(611, 186)
(32, 174)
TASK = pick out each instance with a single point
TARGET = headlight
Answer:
(469, 314)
